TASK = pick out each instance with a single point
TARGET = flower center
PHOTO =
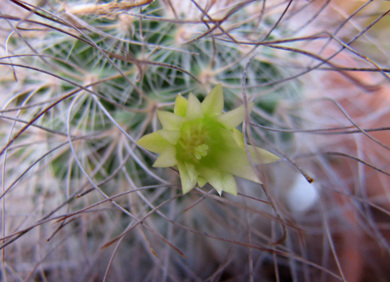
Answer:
(193, 142)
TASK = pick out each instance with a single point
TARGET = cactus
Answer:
(85, 83)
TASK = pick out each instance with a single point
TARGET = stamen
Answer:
(201, 151)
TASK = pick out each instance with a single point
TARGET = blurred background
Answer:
(81, 81)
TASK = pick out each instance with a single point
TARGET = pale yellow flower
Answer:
(204, 144)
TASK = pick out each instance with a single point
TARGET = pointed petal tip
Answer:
(181, 104)
(201, 181)
(229, 183)
(261, 156)
(213, 102)
(153, 142)
(169, 120)
(214, 177)
(185, 190)
(187, 184)
(194, 108)
(234, 117)
(167, 158)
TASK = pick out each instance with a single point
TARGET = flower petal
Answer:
(153, 142)
(186, 183)
(180, 106)
(261, 156)
(169, 120)
(213, 103)
(234, 117)
(167, 158)
(170, 135)
(201, 181)
(194, 108)
(214, 177)
(238, 137)
(229, 183)
(236, 162)
(192, 173)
